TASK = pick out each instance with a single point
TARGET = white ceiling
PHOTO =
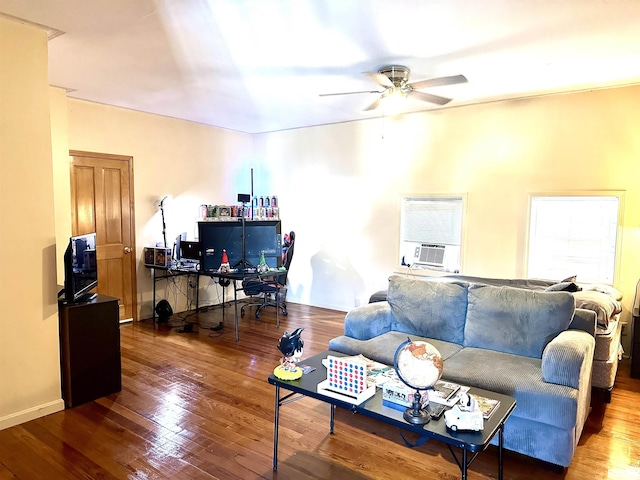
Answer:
(260, 65)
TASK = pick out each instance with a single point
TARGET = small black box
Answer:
(244, 197)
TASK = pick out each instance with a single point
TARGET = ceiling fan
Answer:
(395, 82)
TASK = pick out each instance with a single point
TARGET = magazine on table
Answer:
(378, 373)
(486, 405)
(445, 390)
(446, 393)
(379, 376)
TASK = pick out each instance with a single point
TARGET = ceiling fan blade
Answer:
(346, 93)
(427, 97)
(436, 82)
(374, 105)
(380, 79)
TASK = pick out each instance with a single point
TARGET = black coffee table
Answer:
(469, 442)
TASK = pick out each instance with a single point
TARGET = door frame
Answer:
(134, 270)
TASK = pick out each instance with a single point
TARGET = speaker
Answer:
(164, 311)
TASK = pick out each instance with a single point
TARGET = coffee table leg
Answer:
(332, 418)
(275, 429)
(464, 464)
(500, 432)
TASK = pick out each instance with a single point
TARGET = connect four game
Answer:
(346, 376)
(346, 379)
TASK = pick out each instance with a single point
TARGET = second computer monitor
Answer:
(260, 236)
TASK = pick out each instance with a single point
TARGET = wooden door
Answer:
(102, 202)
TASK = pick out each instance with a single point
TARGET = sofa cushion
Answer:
(428, 309)
(518, 377)
(514, 320)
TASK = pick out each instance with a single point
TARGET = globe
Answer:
(419, 365)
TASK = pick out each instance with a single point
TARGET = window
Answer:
(574, 235)
(434, 221)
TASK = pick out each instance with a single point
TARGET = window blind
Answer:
(431, 220)
(573, 235)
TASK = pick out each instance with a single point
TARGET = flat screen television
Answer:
(260, 236)
(80, 268)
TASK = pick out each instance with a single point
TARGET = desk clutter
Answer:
(246, 243)
(263, 207)
(237, 245)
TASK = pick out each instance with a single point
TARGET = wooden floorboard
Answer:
(198, 406)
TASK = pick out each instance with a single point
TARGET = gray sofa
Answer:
(603, 299)
(534, 346)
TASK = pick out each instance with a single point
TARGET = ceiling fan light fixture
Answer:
(394, 101)
(394, 80)
(397, 74)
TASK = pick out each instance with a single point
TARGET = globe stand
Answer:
(419, 366)
(415, 414)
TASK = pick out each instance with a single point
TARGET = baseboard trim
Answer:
(31, 414)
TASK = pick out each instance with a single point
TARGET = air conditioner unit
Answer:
(429, 254)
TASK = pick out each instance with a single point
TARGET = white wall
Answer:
(29, 347)
(61, 174)
(340, 185)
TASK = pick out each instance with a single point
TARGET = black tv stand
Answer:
(89, 349)
(87, 297)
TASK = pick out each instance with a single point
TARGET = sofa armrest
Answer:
(584, 320)
(568, 359)
(368, 321)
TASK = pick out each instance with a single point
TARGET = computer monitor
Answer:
(177, 246)
(190, 251)
(218, 236)
(227, 235)
(264, 236)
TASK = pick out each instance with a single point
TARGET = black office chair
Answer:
(265, 289)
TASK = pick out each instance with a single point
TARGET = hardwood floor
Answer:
(198, 406)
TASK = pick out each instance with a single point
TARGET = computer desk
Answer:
(236, 277)
(233, 277)
(170, 272)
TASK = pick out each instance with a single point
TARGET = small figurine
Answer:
(224, 264)
(467, 403)
(465, 415)
(262, 264)
(291, 346)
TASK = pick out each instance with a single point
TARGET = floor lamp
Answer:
(164, 226)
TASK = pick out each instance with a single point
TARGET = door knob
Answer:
(127, 249)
